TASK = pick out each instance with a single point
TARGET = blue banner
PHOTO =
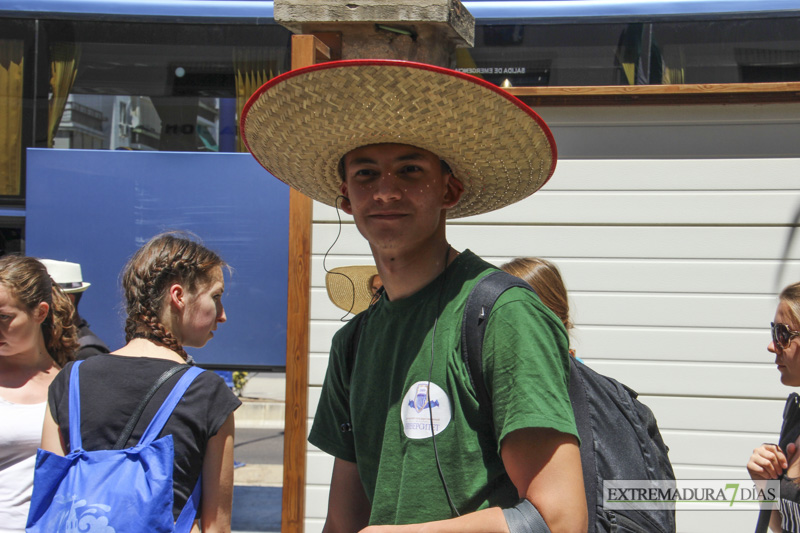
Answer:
(96, 207)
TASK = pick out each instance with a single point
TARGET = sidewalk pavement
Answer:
(263, 401)
(257, 488)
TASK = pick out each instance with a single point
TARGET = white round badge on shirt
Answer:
(418, 405)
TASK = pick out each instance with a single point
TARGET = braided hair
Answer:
(172, 257)
(28, 281)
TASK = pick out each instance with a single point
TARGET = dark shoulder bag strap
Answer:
(580, 408)
(524, 518)
(473, 327)
(359, 320)
(137, 414)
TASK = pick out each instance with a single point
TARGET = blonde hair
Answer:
(791, 296)
(167, 258)
(28, 281)
(545, 279)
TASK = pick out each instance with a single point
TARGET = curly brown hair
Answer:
(27, 279)
(172, 257)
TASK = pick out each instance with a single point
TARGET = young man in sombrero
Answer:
(402, 147)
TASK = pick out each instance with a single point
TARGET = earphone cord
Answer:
(325, 257)
(430, 375)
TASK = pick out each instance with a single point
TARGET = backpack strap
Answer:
(165, 411)
(476, 314)
(359, 320)
(137, 414)
(580, 407)
(473, 326)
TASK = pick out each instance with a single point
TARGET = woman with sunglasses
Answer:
(769, 461)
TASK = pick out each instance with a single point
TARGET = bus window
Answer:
(755, 49)
(156, 86)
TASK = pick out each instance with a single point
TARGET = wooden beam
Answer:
(306, 50)
(710, 93)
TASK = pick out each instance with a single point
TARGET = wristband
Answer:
(525, 518)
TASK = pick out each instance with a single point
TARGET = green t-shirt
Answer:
(385, 397)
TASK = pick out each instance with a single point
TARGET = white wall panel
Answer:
(713, 448)
(674, 310)
(316, 501)
(709, 472)
(694, 379)
(650, 207)
(319, 467)
(729, 521)
(638, 275)
(313, 525)
(634, 242)
(673, 276)
(715, 414)
(313, 400)
(317, 366)
(321, 333)
(672, 344)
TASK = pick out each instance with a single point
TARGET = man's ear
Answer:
(40, 312)
(177, 297)
(453, 192)
(346, 207)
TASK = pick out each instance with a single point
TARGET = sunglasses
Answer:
(781, 334)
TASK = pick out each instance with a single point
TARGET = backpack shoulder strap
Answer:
(580, 408)
(352, 347)
(473, 327)
(137, 414)
(358, 320)
(75, 442)
(165, 411)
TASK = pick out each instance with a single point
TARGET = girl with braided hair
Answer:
(37, 338)
(173, 288)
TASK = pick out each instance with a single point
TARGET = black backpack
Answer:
(619, 435)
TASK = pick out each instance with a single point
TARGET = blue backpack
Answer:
(118, 490)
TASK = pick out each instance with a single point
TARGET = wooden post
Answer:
(306, 49)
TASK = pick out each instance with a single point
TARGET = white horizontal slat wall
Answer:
(672, 227)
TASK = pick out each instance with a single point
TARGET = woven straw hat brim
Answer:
(300, 124)
(349, 287)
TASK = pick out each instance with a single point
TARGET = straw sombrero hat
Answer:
(300, 124)
(349, 287)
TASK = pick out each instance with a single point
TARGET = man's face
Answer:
(397, 194)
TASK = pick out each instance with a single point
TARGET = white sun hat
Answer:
(67, 275)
